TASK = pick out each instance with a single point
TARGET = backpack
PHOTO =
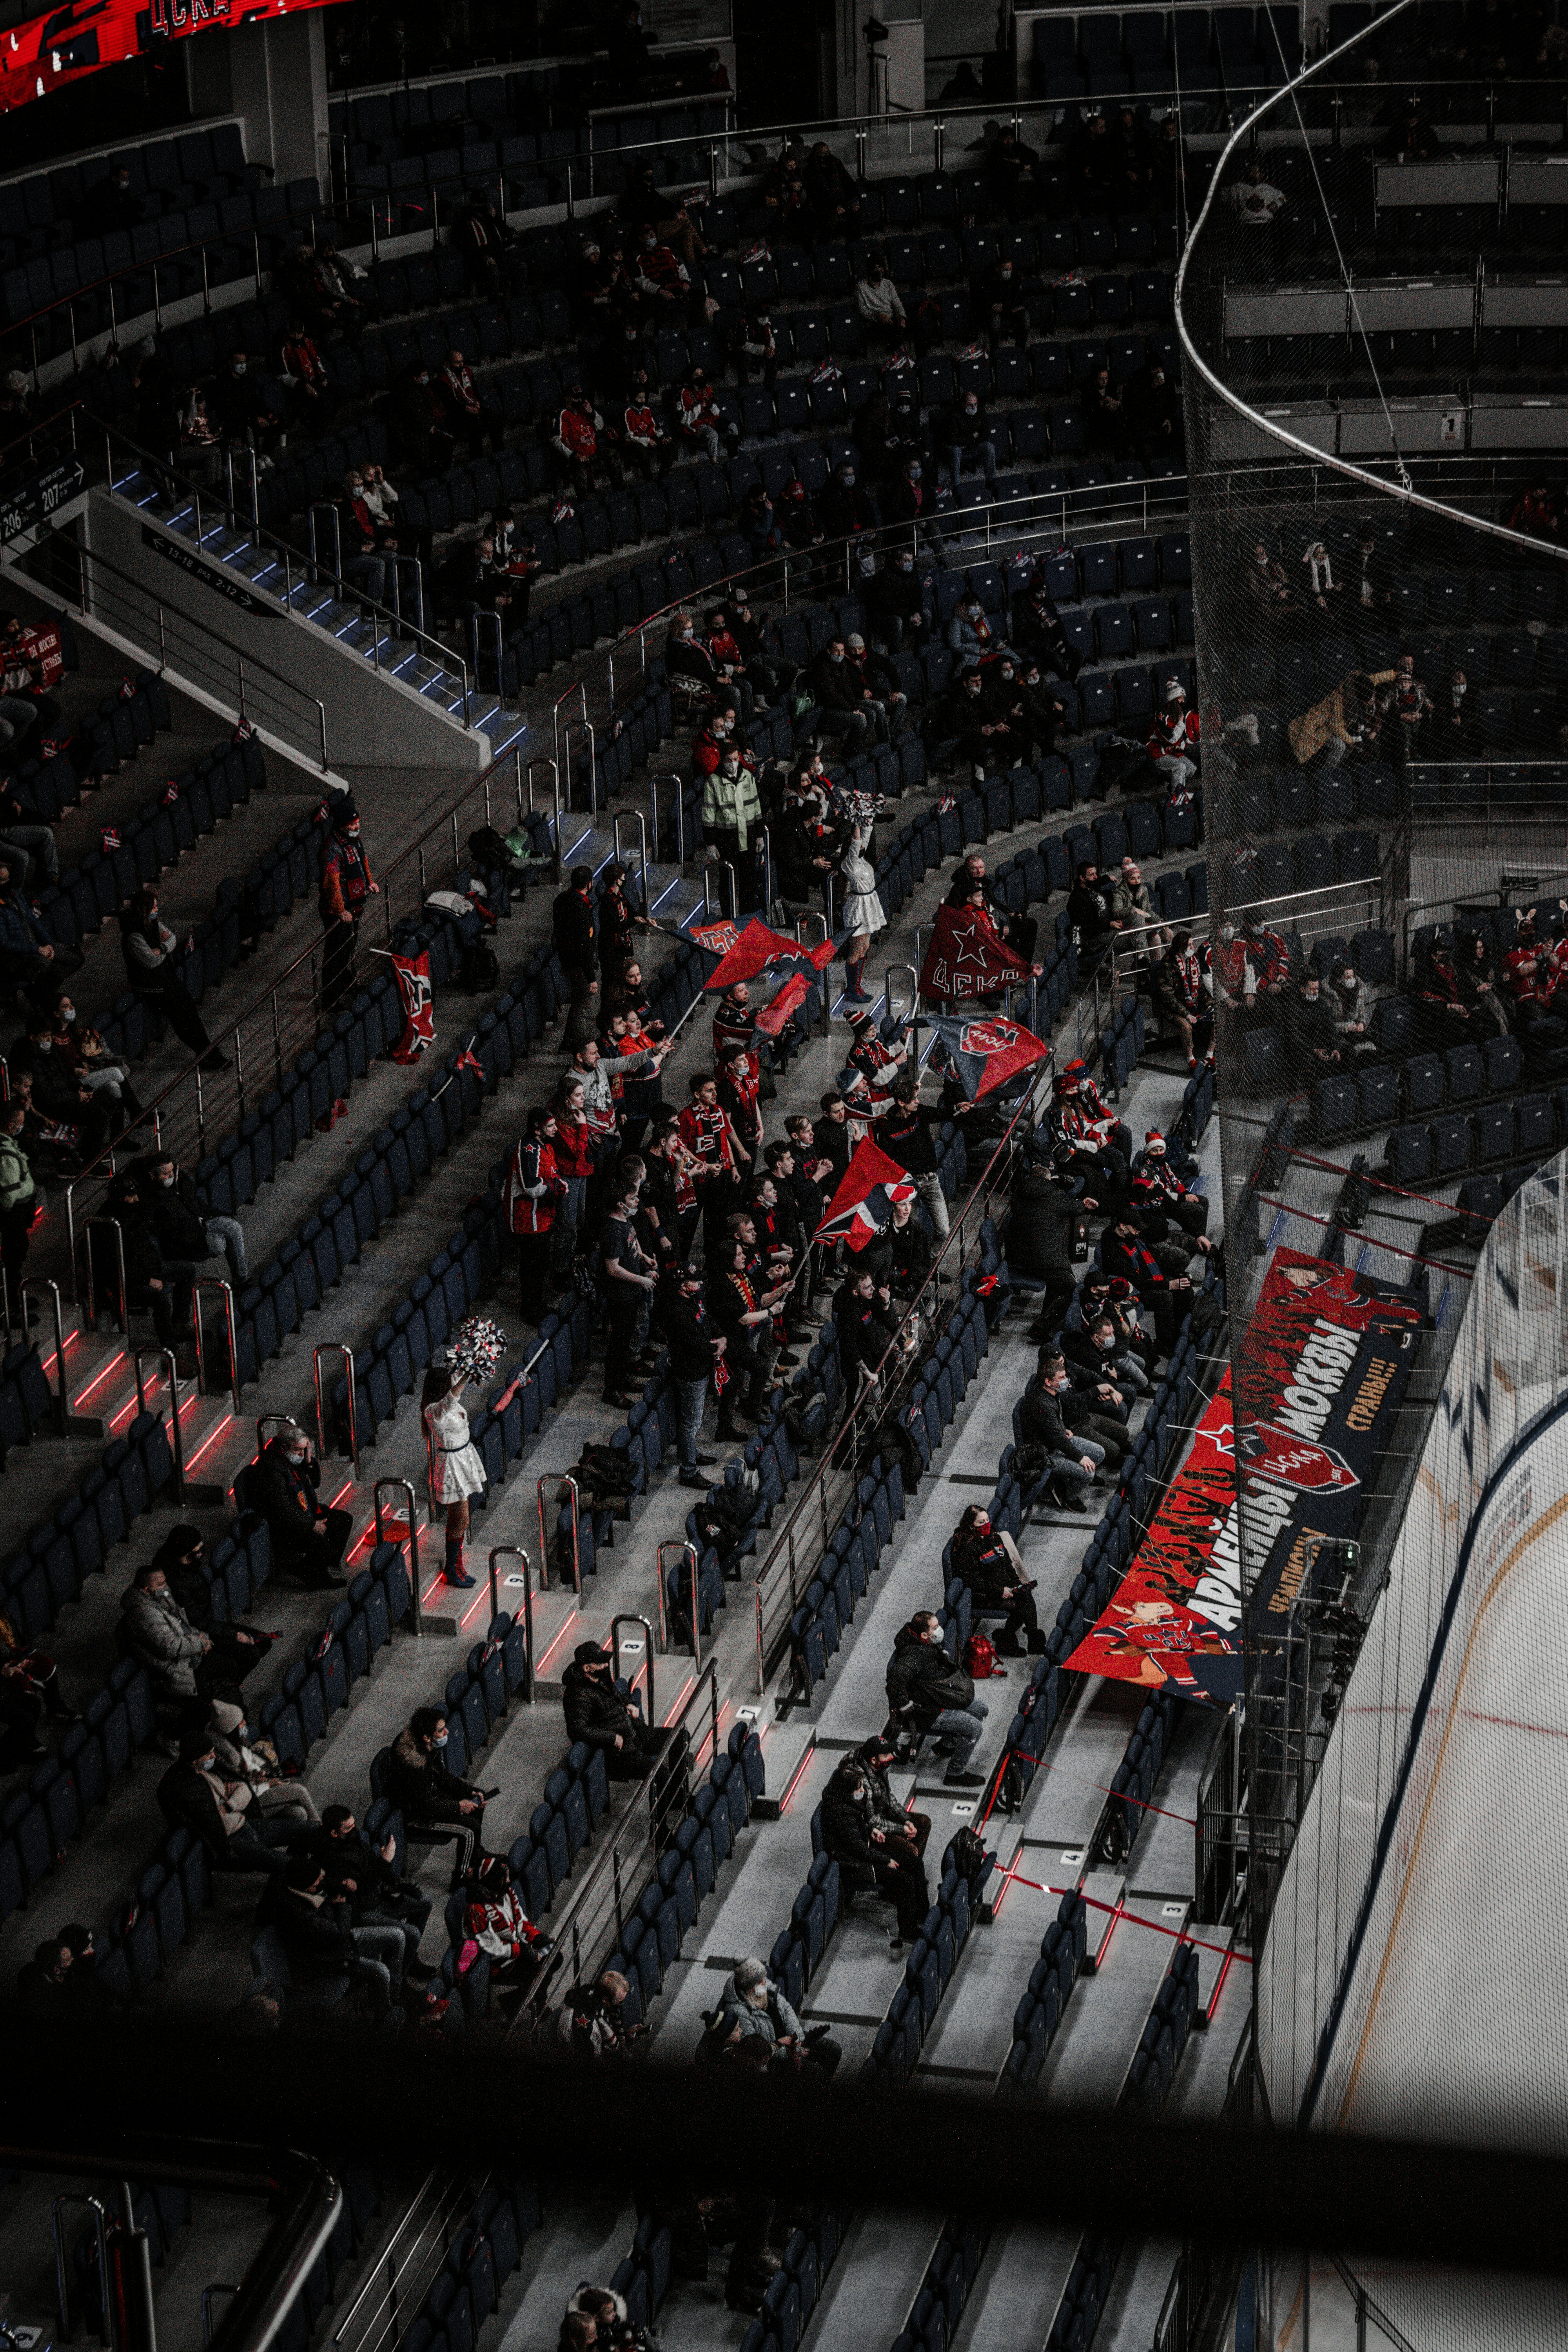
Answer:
(980, 1658)
(970, 1854)
(1010, 1787)
(479, 968)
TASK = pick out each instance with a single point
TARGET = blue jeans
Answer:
(962, 1725)
(690, 1396)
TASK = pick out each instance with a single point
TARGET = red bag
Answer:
(980, 1659)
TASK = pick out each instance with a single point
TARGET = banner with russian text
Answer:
(1324, 1365)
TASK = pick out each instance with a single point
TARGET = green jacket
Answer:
(15, 1177)
(733, 801)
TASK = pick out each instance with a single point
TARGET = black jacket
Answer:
(900, 595)
(377, 1885)
(1040, 1228)
(985, 1570)
(689, 1330)
(904, 1134)
(838, 686)
(176, 1216)
(901, 1257)
(421, 1787)
(316, 1935)
(285, 1498)
(185, 1802)
(849, 1816)
(923, 1680)
(572, 919)
(865, 1331)
(1040, 1418)
(595, 1712)
(1085, 1365)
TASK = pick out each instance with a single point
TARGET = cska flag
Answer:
(715, 938)
(966, 958)
(418, 1007)
(864, 1200)
(1293, 1461)
(987, 1050)
(756, 948)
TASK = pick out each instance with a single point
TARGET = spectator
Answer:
(901, 1257)
(630, 1275)
(466, 413)
(574, 1154)
(904, 1133)
(910, 501)
(1000, 307)
(482, 237)
(753, 348)
(783, 194)
(700, 420)
(183, 1662)
(1312, 1048)
(163, 1286)
(1090, 912)
(831, 194)
(597, 1714)
(968, 435)
(572, 919)
(433, 1799)
(90, 1063)
(60, 1982)
(18, 1200)
(593, 2024)
(534, 1190)
(879, 305)
(1180, 986)
(927, 1693)
(347, 886)
(308, 379)
(896, 598)
(866, 1325)
(29, 1691)
(1070, 1462)
(987, 1560)
(753, 2007)
(180, 1556)
(29, 957)
(361, 563)
(1097, 1359)
(1013, 168)
(317, 1933)
(57, 1093)
(648, 447)
(111, 204)
(742, 1315)
(495, 1923)
(309, 1537)
(183, 1226)
(366, 1878)
(250, 406)
(240, 1758)
(578, 445)
(694, 1350)
(419, 422)
(195, 1795)
(1043, 1231)
(1157, 1272)
(732, 819)
(848, 710)
(1157, 1185)
(1254, 199)
(151, 952)
(867, 1855)
(26, 842)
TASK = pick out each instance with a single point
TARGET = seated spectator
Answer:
(1253, 198)
(1454, 1014)
(111, 204)
(1013, 169)
(753, 348)
(29, 1691)
(250, 406)
(162, 1286)
(195, 1795)
(61, 1980)
(880, 306)
(969, 438)
(987, 1560)
(647, 447)
(419, 422)
(927, 1693)
(58, 1094)
(1312, 1047)
(182, 1661)
(184, 1225)
(999, 306)
(361, 563)
(1350, 1014)
(84, 1053)
(29, 846)
(663, 281)
(1180, 987)
(1156, 1271)
(307, 378)
(866, 1855)
(752, 2007)
(495, 1923)
(465, 414)
(366, 1878)
(834, 199)
(909, 502)
(901, 1257)
(242, 1758)
(583, 446)
(847, 711)
(700, 420)
(591, 2023)
(1477, 979)
(1097, 1359)
(317, 1933)
(896, 599)
(29, 958)
(446, 1809)
(1158, 1187)
(784, 196)
(309, 1537)
(1067, 1461)
(180, 1557)
(597, 1714)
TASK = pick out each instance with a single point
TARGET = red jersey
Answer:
(528, 1209)
(706, 1135)
(575, 426)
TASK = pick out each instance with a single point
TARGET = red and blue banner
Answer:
(864, 1203)
(755, 949)
(1323, 1369)
(986, 1049)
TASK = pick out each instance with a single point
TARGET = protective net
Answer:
(1371, 337)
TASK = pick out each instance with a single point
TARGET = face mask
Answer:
(167, 1182)
(836, 653)
(300, 1459)
(914, 477)
(67, 1013)
(240, 367)
(441, 1740)
(908, 564)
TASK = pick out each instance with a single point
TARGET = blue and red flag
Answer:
(755, 948)
(986, 1049)
(864, 1201)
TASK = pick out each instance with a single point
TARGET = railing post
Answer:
(516, 1551)
(626, 1617)
(165, 1357)
(335, 1348)
(571, 1483)
(403, 1487)
(62, 1403)
(210, 1282)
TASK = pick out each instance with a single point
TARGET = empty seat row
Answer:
(1038, 2015)
(1165, 2037)
(1527, 1127)
(718, 1809)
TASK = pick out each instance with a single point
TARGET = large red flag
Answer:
(756, 948)
(864, 1201)
(966, 958)
(987, 1049)
(418, 1007)
(790, 998)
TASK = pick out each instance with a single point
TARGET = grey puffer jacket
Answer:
(164, 1639)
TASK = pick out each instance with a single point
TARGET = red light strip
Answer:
(554, 1645)
(796, 1778)
(681, 1699)
(1177, 1934)
(210, 1440)
(1220, 1981)
(98, 1378)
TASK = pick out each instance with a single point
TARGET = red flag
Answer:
(717, 938)
(756, 948)
(791, 996)
(965, 958)
(418, 1005)
(469, 1060)
(986, 1049)
(864, 1201)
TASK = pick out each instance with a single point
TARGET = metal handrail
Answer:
(671, 1543)
(403, 1486)
(543, 761)
(122, 1305)
(165, 1357)
(628, 1617)
(632, 816)
(63, 2266)
(209, 1283)
(564, 1479)
(516, 1551)
(335, 1348)
(62, 1396)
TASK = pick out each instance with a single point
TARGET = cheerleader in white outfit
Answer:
(456, 1471)
(863, 912)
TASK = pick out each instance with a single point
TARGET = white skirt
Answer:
(457, 1470)
(863, 912)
